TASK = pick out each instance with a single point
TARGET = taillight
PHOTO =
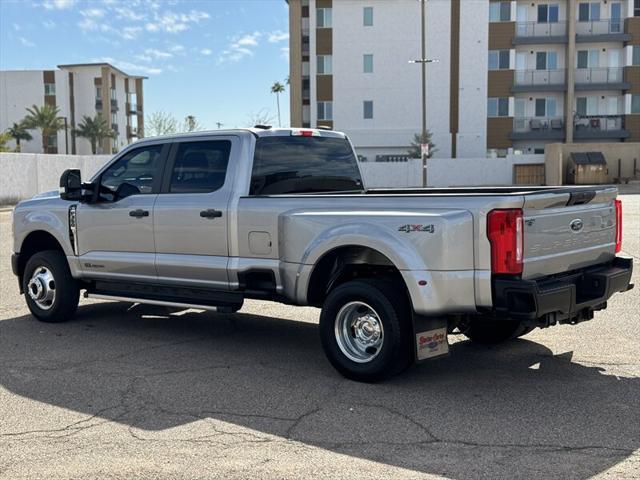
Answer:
(618, 225)
(505, 231)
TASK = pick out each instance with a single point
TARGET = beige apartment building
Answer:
(510, 75)
(77, 90)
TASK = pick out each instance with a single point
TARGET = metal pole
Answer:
(424, 95)
(66, 136)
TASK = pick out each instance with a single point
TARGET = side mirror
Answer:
(71, 185)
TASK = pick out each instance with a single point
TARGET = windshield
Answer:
(304, 165)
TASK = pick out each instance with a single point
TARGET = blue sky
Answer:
(215, 59)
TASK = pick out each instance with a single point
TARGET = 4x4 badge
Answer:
(417, 228)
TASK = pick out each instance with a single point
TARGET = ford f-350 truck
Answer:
(208, 219)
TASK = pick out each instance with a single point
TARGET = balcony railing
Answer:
(537, 29)
(539, 77)
(98, 104)
(600, 27)
(538, 124)
(603, 76)
(595, 125)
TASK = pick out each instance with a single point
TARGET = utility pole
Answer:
(423, 61)
(219, 124)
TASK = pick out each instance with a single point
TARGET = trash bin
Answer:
(588, 168)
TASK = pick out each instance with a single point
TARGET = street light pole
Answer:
(423, 61)
(423, 57)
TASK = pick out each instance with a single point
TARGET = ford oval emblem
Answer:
(576, 225)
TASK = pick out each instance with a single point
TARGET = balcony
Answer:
(601, 79)
(538, 128)
(114, 127)
(98, 104)
(528, 33)
(599, 127)
(539, 81)
(601, 31)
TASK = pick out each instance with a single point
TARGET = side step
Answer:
(150, 302)
(167, 295)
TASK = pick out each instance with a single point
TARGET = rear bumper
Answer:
(569, 298)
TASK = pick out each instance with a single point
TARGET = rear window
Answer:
(304, 165)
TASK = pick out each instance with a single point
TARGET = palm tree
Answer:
(45, 119)
(18, 131)
(278, 88)
(94, 129)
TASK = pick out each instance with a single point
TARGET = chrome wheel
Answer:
(359, 332)
(42, 288)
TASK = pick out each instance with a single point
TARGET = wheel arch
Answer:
(34, 242)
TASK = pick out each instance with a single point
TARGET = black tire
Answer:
(67, 291)
(492, 332)
(391, 304)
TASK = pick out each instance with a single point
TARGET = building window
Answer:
(114, 118)
(367, 108)
(500, 11)
(588, 58)
(636, 8)
(635, 101)
(324, 64)
(367, 63)
(498, 107)
(635, 57)
(49, 88)
(323, 17)
(98, 93)
(586, 106)
(113, 94)
(325, 110)
(548, 13)
(546, 60)
(499, 59)
(367, 16)
(546, 107)
(589, 12)
(52, 141)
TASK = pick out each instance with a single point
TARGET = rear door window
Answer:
(200, 167)
(299, 164)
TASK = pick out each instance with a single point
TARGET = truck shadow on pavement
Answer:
(504, 412)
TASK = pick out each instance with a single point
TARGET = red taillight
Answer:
(618, 226)
(505, 232)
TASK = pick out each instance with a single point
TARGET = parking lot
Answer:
(128, 391)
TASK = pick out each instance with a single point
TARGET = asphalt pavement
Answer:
(126, 391)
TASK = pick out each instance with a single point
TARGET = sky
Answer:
(215, 59)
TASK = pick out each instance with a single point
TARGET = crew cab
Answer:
(208, 219)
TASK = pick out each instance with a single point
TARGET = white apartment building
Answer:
(511, 75)
(76, 90)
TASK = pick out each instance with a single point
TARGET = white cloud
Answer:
(129, 33)
(176, 49)
(284, 53)
(49, 24)
(171, 22)
(278, 36)
(16, 27)
(93, 13)
(152, 52)
(126, 13)
(206, 51)
(240, 47)
(58, 4)
(25, 42)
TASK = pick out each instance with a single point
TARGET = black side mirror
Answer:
(71, 185)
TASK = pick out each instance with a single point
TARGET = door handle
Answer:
(139, 213)
(210, 213)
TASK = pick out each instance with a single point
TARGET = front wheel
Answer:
(365, 330)
(52, 294)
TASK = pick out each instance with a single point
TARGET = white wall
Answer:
(23, 175)
(20, 89)
(445, 172)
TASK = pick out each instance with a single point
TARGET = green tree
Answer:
(418, 140)
(46, 119)
(18, 131)
(191, 124)
(278, 88)
(95, 130)
(4, 138)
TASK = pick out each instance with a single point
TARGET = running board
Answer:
(145, 301)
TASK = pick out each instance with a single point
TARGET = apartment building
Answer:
(563, 70)
(502, 81)
(76, 90)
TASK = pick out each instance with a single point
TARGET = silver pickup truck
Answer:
(205, 220)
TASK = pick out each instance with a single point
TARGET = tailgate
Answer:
(567, 230)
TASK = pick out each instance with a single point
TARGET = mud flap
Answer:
(430, 338)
